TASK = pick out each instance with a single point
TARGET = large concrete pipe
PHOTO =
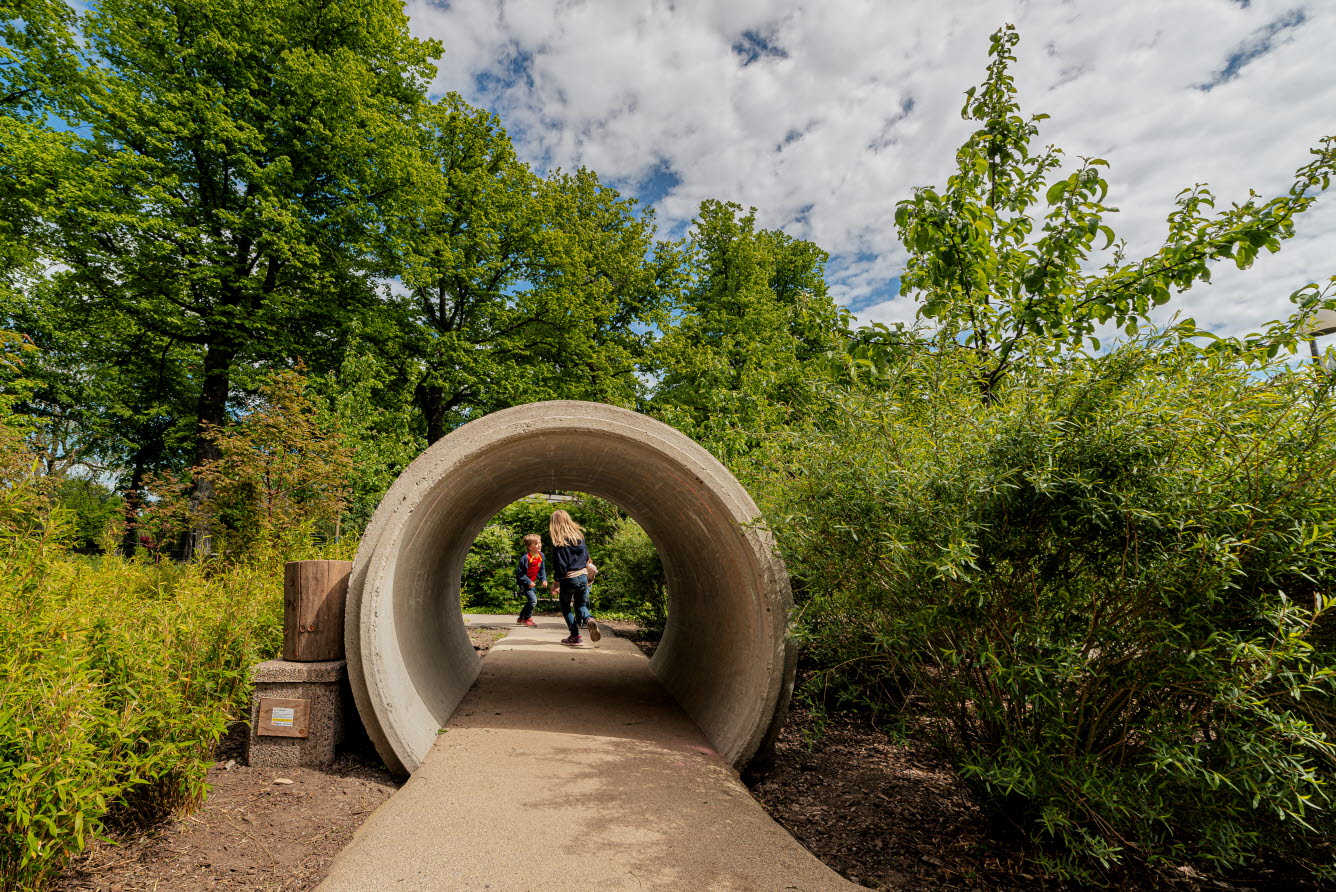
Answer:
(723, 656)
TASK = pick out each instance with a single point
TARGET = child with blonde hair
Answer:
(531, 572)
(570, 557)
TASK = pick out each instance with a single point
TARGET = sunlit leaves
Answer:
(1010, 281)
(1107, 592)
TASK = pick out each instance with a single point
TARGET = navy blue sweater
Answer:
(569, 558)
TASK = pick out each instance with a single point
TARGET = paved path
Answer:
(569, 769)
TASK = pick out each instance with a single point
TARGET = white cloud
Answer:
(844, 106)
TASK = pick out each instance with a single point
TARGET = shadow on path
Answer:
(572, 769)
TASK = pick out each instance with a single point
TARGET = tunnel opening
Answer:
(630, 584)
(724, 656)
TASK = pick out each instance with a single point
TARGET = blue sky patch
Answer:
(753, 46)
(657, 184)
(1255, 47)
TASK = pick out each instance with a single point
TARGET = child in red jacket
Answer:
(530, 573)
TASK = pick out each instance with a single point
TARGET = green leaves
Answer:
(116, 680)
(520, 288)
(1110, 583)
(1011, 287)
(752, 342)
(236, 171)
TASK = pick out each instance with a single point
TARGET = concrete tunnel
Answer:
(724, 655)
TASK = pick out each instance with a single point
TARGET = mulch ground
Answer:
(261, 829)
(886, 815)
(895, 816)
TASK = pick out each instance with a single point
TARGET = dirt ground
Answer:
(261, 829)
(888, 816)
(896, 816)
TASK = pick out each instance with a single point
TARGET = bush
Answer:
(116, 680)
(489, 578)
(631, 579)
(1110, 588)
(280, 480)
(97, 512)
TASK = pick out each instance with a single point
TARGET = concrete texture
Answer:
(290, 672)
(572, 769)
(323, 684)
(724, 656)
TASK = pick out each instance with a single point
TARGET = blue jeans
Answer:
(575, 601)
(527, 610)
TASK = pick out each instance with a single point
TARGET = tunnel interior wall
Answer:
(723, 657)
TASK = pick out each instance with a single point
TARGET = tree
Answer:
(747, 349)
(38, 54)
(372, 408)
(519, 288)
(281, 474)
(1006, 285)
(107, 396)
(237, 162)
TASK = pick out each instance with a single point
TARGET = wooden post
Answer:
(313, 596)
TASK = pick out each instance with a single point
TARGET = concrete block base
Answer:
(322, 685)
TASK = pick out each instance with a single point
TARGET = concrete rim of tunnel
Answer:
(725, 656)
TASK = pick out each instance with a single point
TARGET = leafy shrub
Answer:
(116, 679)
(488, 578)
(280, 479)
(631, 577)
(1110, 588)
(96, 510)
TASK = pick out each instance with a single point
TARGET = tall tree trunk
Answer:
(147, 456)
(430, 398)
(134, 503)
(210, 413)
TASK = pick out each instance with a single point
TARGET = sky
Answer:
(823, 115)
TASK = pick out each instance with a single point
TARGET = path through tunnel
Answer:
(723, 656)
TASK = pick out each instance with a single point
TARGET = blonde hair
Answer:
(563, 530)
(533, 539)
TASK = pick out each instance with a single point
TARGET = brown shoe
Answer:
(592, 628)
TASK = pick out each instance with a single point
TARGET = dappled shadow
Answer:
(535, 683)
(584, 748)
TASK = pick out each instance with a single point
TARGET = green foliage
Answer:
(1109, 587)
(371, 410)
(631, 579)
(38, 57)
(116, 680)
(281, 473)
(95, 512)
(280, 479)
(1108, 583)
(519, 288)
(228, 193)
(488, 579)
(1008, 286)
(747, 351)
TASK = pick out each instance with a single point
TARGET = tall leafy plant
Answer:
(1110, 587)
(1015, 263)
